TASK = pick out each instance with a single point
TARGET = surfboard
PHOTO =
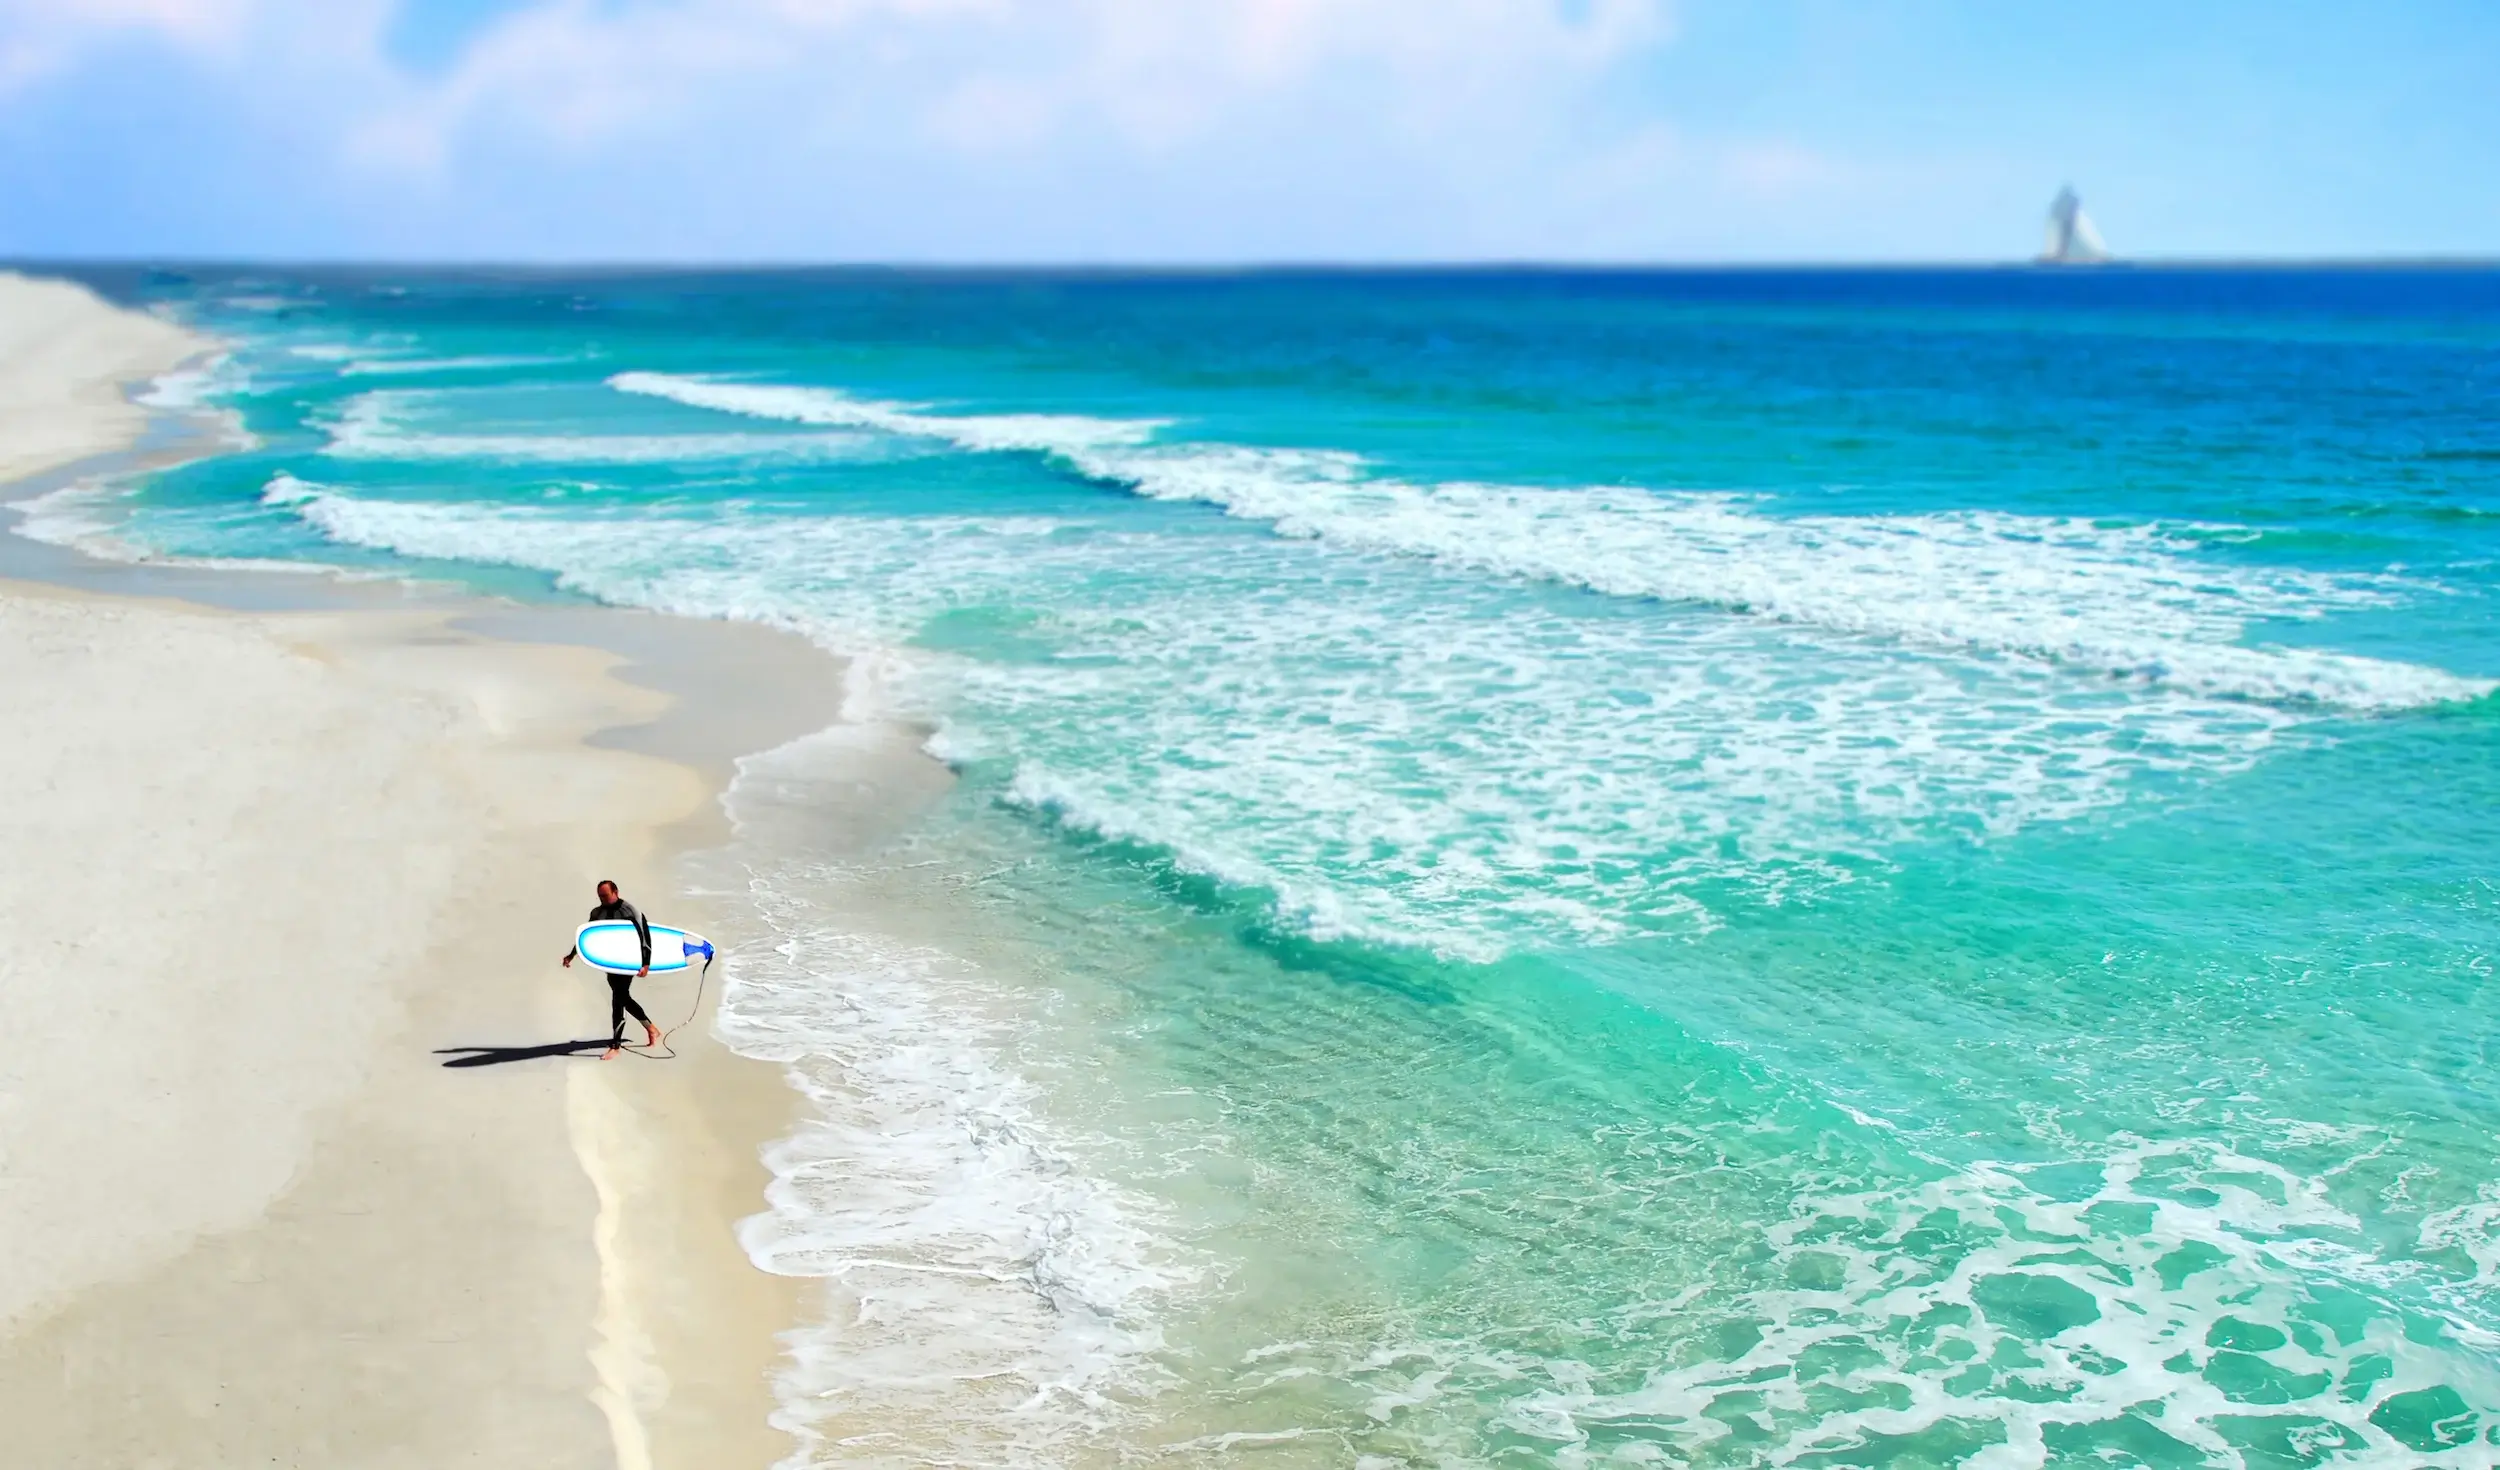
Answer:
(612, 944)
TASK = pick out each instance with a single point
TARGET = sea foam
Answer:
(389, 366)
(985, 1282)
(2191, 1305)
(81, 515)
(2144, 602)
(377, 426)
(981, 433)
(1482, 718)
(1361, 725)
(1425, 766)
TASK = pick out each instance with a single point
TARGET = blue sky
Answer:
(1240, 130)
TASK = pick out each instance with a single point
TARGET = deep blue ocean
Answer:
(1549, 868)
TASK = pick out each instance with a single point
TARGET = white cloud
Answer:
(193, 20)
(994, 129)
(1469, 101)
(39, 38)
(1155, 71)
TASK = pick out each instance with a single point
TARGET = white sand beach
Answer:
(66, 359)
(261, 875)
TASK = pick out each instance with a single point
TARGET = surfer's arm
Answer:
(642, 926)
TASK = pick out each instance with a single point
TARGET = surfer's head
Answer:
(607, 890)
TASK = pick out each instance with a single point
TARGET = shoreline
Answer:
(637, 1306)
(1362, 999)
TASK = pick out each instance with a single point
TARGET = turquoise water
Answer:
(1731, 869)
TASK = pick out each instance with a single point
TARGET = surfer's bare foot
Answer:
(610, 1054)
(654, 1043)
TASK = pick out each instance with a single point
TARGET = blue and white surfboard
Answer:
(612, 944)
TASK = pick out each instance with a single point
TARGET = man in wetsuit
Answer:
(612, 905)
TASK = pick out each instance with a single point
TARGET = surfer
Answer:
(621, 1002)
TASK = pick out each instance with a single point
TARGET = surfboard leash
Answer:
(663, 1052)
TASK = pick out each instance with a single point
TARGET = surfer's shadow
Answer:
(492, 1056)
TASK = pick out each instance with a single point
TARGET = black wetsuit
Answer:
(621, 1001)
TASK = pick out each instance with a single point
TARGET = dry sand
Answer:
(256, 873)
(65, 358)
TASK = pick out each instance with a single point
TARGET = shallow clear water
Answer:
(1768, 868)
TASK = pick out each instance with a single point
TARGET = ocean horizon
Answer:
(1547, 864)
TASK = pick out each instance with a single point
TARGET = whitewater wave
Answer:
(192, 392)
(80, 516)
(365, 367)
(1063, 434)
(92, 518)
(2139, 602)
(284, 490)
(1383, 757)
(192, 387)
(373, 426)
(387, 359)
(984, 1282)
(2128, 601)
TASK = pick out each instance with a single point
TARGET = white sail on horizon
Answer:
(2072, 240)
